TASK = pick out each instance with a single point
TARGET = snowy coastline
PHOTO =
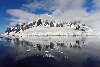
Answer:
(49, 28)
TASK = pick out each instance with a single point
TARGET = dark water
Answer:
(50, 51)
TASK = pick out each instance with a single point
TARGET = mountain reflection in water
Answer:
(50, 51)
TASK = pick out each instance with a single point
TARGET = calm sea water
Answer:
(50, 51)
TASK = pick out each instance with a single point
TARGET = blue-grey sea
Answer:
(50, 51)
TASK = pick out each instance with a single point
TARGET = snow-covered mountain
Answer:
(49, 26)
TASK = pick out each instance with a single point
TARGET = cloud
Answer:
(96, 4)
(62, 5)
(20, 13)
(93, 20)
(61, 8)
(15, 21)
(35, 5)
(21, 16)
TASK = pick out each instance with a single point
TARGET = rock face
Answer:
(45, 27)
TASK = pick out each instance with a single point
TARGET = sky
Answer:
(19, 11)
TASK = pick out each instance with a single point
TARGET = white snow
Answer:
(66, 30)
